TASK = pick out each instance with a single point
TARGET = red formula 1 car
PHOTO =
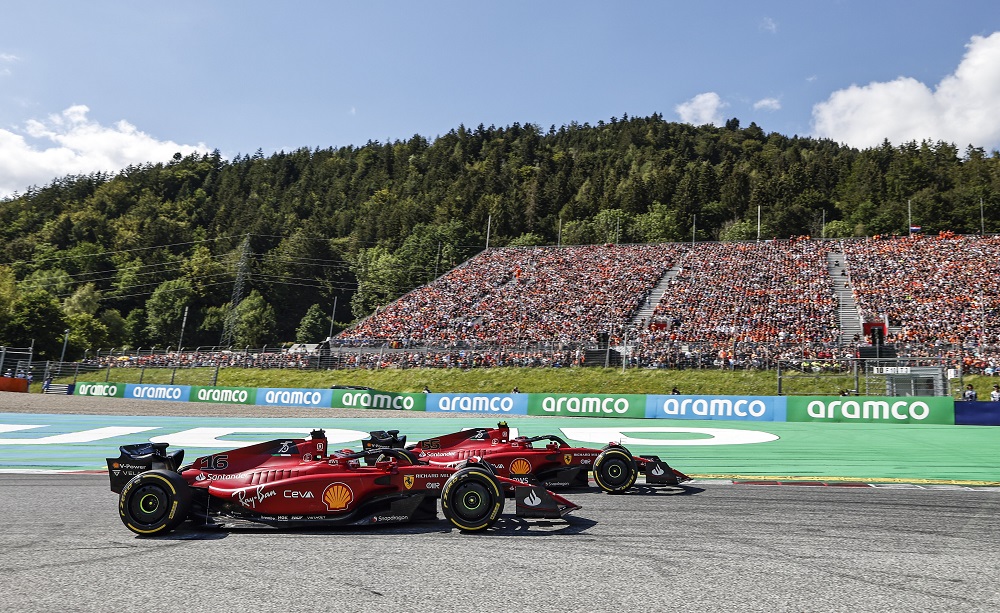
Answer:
(554, 464)
(298, 482)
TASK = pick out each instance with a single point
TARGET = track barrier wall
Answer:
(739, 408)
(832, 409)
(872, 409)
(13, 384)
(977, 413)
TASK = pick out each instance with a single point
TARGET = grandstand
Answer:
(799, 303)
(677, 305)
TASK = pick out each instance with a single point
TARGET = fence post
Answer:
(779, 377)
(215, 377)
(142, 373)
(76, 373)
(173, 374)
(107, 377)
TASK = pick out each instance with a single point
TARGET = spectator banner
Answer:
(294, 397)
(730, 408)
(177, 393)
(375, 399)
(582, 405)
(872, 409)
(104, 390)
(224, 395)
(488, 404)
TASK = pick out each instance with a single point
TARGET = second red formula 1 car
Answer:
(551, 463)
(299, 482)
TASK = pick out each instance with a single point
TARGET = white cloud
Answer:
(964, 108)
(769, 25)
(72, 144)
(767, 104)
(702, 109)
(6, 58)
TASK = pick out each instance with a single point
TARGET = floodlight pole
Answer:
(62, 358)
(180, 340)
(333, 316)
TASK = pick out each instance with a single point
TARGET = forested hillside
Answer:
(120, 259)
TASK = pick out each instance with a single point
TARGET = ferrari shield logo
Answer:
(408, 481)
(567, 458)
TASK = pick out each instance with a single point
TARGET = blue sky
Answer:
(98, 85)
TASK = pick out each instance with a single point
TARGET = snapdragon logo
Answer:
(477, 404)
(156, 392)
(377, 400)
(107, 390)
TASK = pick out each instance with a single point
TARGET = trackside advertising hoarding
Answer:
(738, 408)
(584, 405)
(226, 395)
(177, 393)
(484, 404)
(291, 397)
(872, 409)
(375, 399)
(105, 390)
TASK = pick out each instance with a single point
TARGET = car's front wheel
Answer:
(615, 470)
(154, 502)
(472, 499)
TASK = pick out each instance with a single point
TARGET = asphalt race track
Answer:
(707, 547)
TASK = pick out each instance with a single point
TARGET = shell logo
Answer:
(337, 496)
(520, 466)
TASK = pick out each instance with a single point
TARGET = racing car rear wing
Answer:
(139, 458)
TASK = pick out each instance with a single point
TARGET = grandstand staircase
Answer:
(611, 356)
(58, 388)
(847, 310)
(645, 311)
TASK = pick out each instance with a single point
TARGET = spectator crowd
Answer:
(724, 305)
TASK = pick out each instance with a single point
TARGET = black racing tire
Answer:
(154, 502)
(472, 499)
(615, 470)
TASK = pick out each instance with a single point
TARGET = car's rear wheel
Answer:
(472, 499)
(154, 502)
(615, 470)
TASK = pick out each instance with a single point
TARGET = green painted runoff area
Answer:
(864, 452)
